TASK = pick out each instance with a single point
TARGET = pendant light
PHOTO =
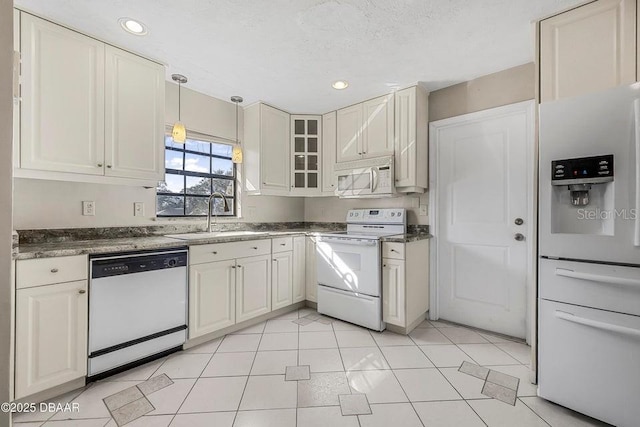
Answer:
(179, 132)
(236, 155)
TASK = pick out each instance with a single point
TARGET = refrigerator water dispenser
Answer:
(583, 191)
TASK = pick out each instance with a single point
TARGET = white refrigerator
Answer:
(589, 266)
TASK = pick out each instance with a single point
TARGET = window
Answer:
(192, 172)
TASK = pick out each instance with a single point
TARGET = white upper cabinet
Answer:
(587, 49)
(62, 123)
(328, 153)
(377, 129)
(89, 112)
(411, 140)
(134, 112)
(306, 148)
(365, 130)
(266, 150)
(349, 133)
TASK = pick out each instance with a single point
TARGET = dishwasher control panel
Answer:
(137, 263)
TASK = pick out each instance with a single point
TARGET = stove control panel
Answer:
(377, 216)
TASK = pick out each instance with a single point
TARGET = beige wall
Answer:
(6, 120)
(493, 90)
(58, 204)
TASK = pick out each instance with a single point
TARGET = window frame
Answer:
(181, 148)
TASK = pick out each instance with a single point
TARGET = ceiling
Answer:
(288, 52)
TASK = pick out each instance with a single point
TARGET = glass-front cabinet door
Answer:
(306, 149)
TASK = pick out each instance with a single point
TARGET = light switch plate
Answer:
(423, 210)
(138, 209)
(88, 208)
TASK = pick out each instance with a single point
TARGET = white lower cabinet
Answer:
(311, 271)
(253, 287)
(299, 268)
(282, 280)
(405, 283)
(51, 336)
(212, 297)
(393, 286)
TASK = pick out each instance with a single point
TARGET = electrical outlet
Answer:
(138, 209)
(423, 210)
(89, 208)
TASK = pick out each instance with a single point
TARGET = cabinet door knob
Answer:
(393, 250)
(82, 291)
(99, 165)
(275, 260)
(254, 247)
(109, 166)
(54, 270)
(239, 266)
(283, 244)
(233, 266)
(215, 252)
(384, 265)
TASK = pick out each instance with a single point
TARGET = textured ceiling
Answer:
(288, 52)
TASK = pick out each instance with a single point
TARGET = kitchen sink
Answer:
(207, 235)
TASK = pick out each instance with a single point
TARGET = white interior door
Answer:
(482, 174)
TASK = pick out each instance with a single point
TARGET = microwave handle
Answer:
(374, 179)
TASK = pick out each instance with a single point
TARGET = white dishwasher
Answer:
(137, 309)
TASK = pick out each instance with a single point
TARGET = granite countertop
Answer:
(103, 246)
(41, 247)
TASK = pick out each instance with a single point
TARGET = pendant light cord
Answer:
(179, 100)
(237, 125)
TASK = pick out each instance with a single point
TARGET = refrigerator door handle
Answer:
(636, 232)
(620, 281)
(623, 330)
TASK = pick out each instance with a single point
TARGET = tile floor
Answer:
(346, 376)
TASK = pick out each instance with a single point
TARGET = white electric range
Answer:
(349, 266)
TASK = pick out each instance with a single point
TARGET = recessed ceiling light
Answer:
(340, 84)
(132, 26)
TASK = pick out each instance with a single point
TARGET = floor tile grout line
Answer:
(194, 383)
(80, 391)
(532, 410)
(248, 376)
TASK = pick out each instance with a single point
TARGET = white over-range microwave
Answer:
(365, 178)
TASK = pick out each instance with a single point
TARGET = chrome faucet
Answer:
(209, 204)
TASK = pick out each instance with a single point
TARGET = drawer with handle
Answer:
(393, 250)
(201, 254)
(607, 287)
(282, 244)
(47, 271)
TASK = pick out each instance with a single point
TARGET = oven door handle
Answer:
(351, 242)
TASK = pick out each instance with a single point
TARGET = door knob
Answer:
(519, 237)
(81, 291)
(519, 221)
